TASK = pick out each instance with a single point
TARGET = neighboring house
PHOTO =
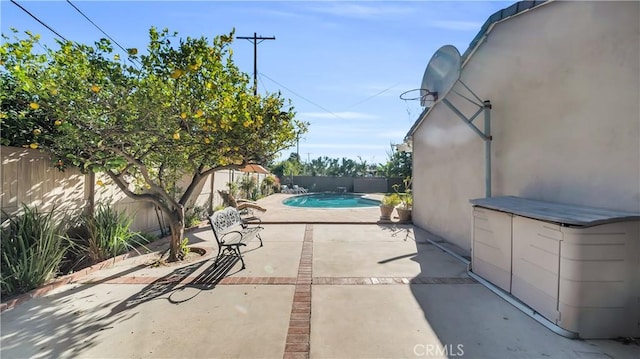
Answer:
(564, 82)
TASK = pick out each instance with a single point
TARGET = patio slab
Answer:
(376, 292)
(488, 328)
(277, 258)
(274, 259)
(112, 321)
(384, 259)
(363, 232)
(367, 322)
(436, 321)
(378, 251)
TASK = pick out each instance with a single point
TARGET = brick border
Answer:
(298, 343)
(301, 280)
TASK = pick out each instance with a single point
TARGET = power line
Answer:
(302, 97)
(99, 28)
(38, 20)
(372, 96)
(262, 82)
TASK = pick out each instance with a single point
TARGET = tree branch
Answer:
(220, 168)
(145, 174)
(195, 180)
(148, 197)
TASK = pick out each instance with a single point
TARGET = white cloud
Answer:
(456, 25)
(345, 115)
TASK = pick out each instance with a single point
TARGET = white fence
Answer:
(28, 177)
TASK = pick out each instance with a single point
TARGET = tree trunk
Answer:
(176, 223)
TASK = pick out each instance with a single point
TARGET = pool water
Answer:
(330, 200)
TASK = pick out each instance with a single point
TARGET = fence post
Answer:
(91, 198)
(211, 192)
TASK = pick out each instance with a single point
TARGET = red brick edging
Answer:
(295, 280)
(298, 343)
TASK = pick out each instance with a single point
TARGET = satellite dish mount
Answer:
(440, 77)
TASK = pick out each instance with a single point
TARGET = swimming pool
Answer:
(330, 200)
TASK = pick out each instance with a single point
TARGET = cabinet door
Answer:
(536, 265)
(599, 295)
(491, 252)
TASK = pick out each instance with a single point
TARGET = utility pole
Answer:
(254, 39)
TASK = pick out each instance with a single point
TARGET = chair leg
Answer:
(260, 238)
(237, 249)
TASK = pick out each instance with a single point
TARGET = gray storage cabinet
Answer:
(578, 267)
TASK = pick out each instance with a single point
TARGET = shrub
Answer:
(104, 235)
(392, 199)
(183, 250)
(269, 185)
(148, 237)
(194, 215)
(248, 184)
(32, 248)
(406, 198)
(233, 188)
(218, 207)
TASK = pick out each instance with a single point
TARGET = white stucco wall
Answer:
(564, 81)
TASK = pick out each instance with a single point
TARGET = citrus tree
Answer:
(181, 109)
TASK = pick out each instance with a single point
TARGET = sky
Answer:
(343, 64)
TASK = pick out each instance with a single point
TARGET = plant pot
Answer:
(404, 215)
(385, 212)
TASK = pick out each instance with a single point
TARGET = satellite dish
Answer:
(441, 74)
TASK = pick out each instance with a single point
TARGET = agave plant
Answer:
(32, 249)
(105, 234)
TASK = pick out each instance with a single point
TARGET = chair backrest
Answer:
(223, 220)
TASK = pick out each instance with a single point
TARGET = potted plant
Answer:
(406, 201)
(388, 203)
(404, 209)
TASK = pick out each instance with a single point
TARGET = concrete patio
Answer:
(313, 290)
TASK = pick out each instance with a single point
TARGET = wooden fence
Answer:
(28, 177)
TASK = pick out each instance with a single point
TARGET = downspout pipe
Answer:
(487, 148)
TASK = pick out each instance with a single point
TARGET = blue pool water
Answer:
(330, 200)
